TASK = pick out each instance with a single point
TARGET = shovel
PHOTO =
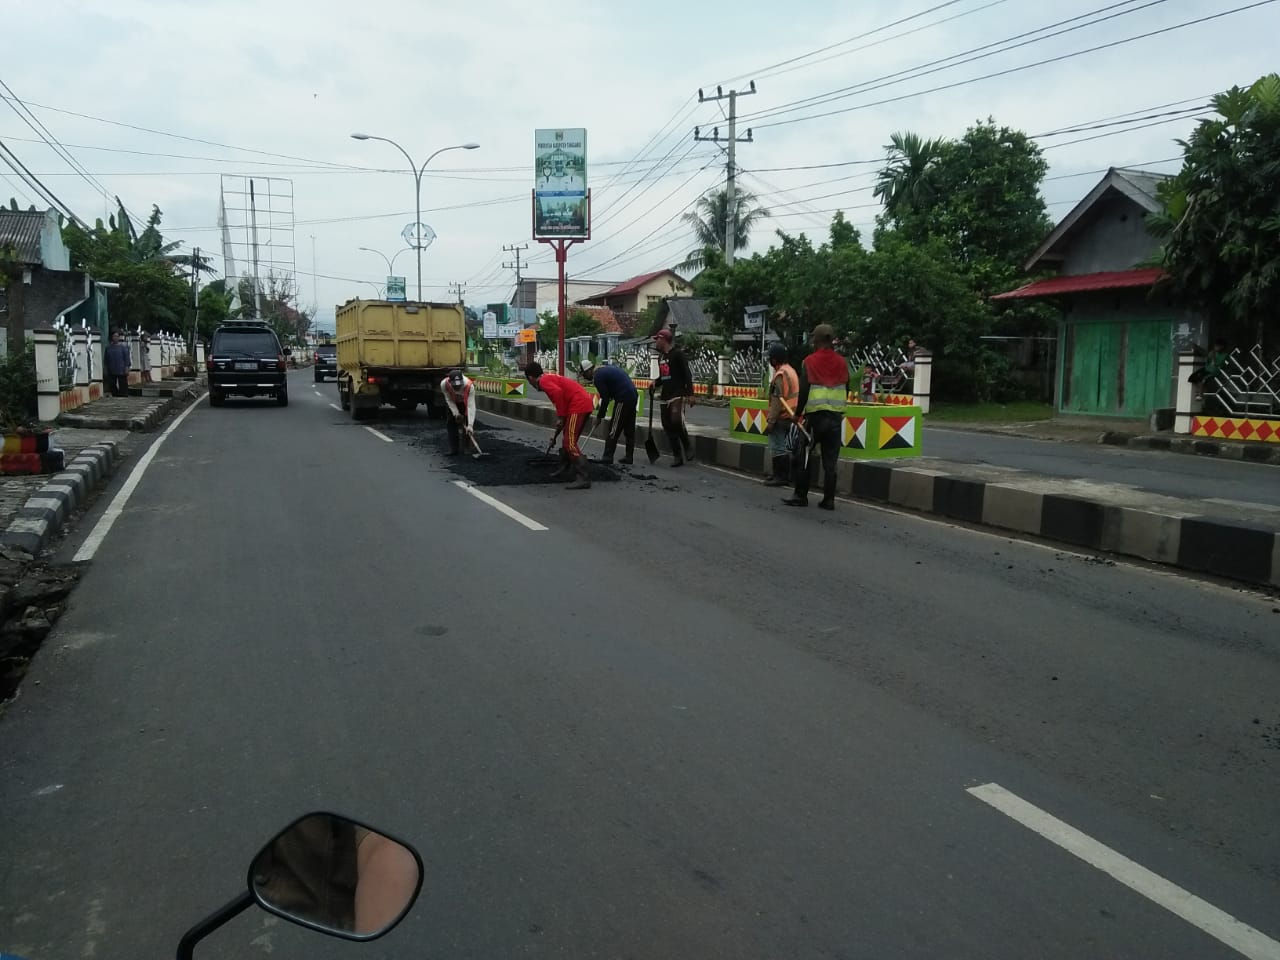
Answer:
(650, 444)
(479, 454)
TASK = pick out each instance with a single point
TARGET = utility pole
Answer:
(195, 301)
(731, 201)
(516, 266)
(458, 288)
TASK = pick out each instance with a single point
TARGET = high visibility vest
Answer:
(788, 388)
(459, 399)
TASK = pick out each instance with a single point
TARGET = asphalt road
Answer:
(681, 720)
(1171, 474)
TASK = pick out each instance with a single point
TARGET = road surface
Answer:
(663, 717)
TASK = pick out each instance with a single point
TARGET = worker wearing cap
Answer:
(784, 394)
(614, 386)
(573, 406)
(675, 389)
(460, 397)
(824, 391)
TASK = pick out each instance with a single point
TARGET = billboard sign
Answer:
(490, 325)
(395, 288)
(560, 206)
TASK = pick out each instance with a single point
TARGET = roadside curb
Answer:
(1246, 452)
(48, 508)
(1183, 538)
(147, 420)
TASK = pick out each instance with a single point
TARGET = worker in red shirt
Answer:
(573, 406)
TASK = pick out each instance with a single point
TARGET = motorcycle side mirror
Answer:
(327, 873)
(336, 876)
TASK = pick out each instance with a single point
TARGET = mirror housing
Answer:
(331, 874)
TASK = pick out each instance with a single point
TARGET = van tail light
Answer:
(315, 358)
(208, 365)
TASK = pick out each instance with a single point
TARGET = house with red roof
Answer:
(1119, 332)
(634, 295)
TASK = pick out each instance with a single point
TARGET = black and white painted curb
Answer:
(48, 508)
(1090, 516)
(1198, 446)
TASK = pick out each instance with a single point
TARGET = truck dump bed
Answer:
(393, 335)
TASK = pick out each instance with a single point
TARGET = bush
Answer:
(18, 388)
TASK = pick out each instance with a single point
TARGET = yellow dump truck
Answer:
(397, 353)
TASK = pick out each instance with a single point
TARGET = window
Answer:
(246, 343)
(651, 300)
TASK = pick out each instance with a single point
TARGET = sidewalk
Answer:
(145, 407)
(1236, 539)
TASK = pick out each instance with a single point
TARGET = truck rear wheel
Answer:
(406, 405)
(344, 395)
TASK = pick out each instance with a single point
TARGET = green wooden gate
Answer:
(1121, 367)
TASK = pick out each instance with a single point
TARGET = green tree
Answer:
(1221, 219)
(907, 183)
(11, 271)
(581, 323)
(154, 291)
(215, 307)
(710, 219)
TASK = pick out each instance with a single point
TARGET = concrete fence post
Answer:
(96, 375)
(922, 381)
(81, 340)
(1186, 404)
(135, 357)
(653, 367)
(48, 404)
(199, 356)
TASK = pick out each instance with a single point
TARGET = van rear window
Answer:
(247, 342)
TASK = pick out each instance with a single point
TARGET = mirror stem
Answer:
(211, 923)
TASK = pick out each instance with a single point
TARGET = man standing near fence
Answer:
(675, 389)
(824, 389)
(116, 361)
(784, 394)
(613, 385)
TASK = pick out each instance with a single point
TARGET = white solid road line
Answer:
(498, 505)
(336, 407)
(380, 435)
(113, 511)
(1239, 936)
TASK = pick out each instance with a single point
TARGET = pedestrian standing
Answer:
(144, 347)
(824, 390)
(675, 390)
(460, 398)
(614, 386)
(117, 360)
(784, 394)
(573, 406)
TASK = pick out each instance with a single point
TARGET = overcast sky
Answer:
(274, 89)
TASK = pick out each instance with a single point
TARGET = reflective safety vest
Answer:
(788, 388)
(831, 397)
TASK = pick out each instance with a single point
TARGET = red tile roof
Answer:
(635, 283)
(606, 317)
(1085, 282)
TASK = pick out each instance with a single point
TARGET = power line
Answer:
(1025, 66)
(841, 43)
(13, 163)
(1004, 45)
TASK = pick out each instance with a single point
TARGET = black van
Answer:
(246, 358)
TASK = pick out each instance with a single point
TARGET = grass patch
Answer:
(1019, 412)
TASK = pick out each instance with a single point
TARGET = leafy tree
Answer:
(982, 201)
(153, 290)
(215, 307)
(581, 323)
(907, 183)
(15, 315)
(1221, 218)
(710, 219)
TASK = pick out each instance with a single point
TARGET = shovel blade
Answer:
(651, 448)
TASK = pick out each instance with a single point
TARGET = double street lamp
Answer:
(391, 261)
(417, 172)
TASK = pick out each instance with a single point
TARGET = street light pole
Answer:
(391, 262)
(417, 187)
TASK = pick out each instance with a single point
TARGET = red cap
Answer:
(663, 334)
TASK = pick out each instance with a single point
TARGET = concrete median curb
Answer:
(1077, 513)
(46, 510)
(1199, 447)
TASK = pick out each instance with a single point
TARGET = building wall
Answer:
(1117, 353)
(659, 289)
(1115, 237)
(547, 297)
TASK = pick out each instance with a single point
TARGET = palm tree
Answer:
(710, 217)
(906, 184)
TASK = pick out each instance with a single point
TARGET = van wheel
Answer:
(216, 398)
(282, 398)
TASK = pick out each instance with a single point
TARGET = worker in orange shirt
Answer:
(573, 406)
